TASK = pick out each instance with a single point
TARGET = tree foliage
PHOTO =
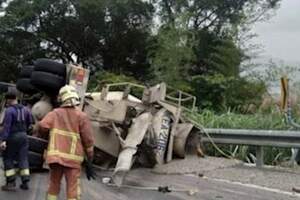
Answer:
(101, 34)
(176, 41)
(216, 25)
(223, 93)
(171, 56)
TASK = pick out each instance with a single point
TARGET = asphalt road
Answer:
(208, 189)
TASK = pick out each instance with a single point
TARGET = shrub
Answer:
(221, 93)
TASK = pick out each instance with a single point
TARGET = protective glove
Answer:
(89, 170)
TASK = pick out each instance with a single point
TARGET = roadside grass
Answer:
(262, 121)
(273, 120)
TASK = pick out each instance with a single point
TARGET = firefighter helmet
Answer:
(68, 96)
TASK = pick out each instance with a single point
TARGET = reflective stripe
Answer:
(51, 197)
(65, 155)
(24, 172)
(65, 133)
(78, 189)
(10, 172)
(52, 141)
(73, 146)
(74, 137)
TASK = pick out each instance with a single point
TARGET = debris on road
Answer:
(163, 189)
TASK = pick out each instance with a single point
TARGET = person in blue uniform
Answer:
(14, 142)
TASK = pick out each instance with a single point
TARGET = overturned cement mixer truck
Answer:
(132, 124)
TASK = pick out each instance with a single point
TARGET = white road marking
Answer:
(293, 194)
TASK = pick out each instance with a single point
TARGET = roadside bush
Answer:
(221, 93)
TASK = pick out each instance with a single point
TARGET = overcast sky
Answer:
(280, 36)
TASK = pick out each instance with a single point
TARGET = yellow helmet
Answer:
(68, 96)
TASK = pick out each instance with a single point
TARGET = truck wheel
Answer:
(37, 145)
(26, 71)
(24, 85)
(47, 82)
(193, 144)
(50, 66)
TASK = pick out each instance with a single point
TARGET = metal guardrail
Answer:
(258, 138)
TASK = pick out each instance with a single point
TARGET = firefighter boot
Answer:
(25, 179)
(24, 185)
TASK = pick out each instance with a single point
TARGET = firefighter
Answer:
(14, 143)
(70, 138)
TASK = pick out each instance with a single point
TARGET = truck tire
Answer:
(50, 66)
(47, 82)
(26, 71)
(24, 85)
(36, 160)
(37, 145)
(194, 145)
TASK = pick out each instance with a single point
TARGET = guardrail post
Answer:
(259, 156)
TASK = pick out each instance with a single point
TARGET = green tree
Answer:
(216, 25)
(171, 57)
(225, 58)
(222, 93)
(216, 15)
(101, 34)
(214, 66)
(182, 42)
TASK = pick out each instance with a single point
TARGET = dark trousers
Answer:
(15, 157)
